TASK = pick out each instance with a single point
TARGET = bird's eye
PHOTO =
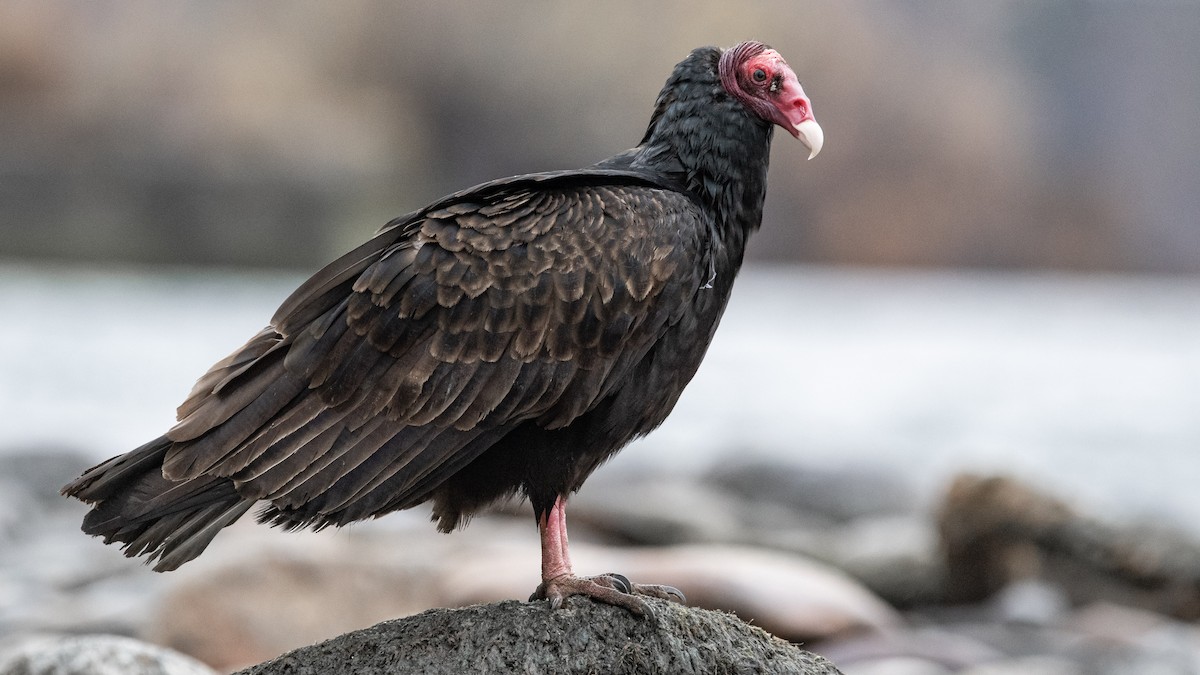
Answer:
(759, 75)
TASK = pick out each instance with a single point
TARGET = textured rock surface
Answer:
(583, 637)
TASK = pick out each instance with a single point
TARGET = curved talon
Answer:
(620, 582)
(668, 593)
(611, 588)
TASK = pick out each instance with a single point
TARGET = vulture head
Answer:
(759, 77)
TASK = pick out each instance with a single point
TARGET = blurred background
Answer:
(1003, 135)
(991, 267)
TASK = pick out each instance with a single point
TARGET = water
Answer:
(1086, 385)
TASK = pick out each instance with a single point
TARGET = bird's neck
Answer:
(718, 153)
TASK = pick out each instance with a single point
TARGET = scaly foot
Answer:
(611, 588)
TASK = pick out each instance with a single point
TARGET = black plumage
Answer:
(506, 339)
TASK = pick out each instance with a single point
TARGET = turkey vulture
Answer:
(505, 339)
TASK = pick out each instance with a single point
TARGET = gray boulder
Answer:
(996, 531)
(582, 637)
(93, 655)
(837, 493)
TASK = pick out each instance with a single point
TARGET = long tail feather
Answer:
(169, 521)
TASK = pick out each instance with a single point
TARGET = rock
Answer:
(289, 590)
(53, 578)
(30, 481)
(93, 655)
(896, 665)
(582, 637)
(649, 508)
(989, 528)
(42, 472)
(996, 530)
(1135, 641)
(840, 493)
(898, 557)
(1030, 602)
(1030, 665)
(895, 554)
(942, 648)
(1107, 622)
(56, 579)
(1012, 640)
(1100, 640)
(16, 509)
(793, 597)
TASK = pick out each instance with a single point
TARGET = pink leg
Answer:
(559, 581)
(556, 560)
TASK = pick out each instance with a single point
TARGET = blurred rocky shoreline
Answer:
(987, 576)
(809, 480)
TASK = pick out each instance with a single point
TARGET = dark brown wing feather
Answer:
(405, 359)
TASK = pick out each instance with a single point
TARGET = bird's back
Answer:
(520, 331)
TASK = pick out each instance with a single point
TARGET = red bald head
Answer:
(759, 77)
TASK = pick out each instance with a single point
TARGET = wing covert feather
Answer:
(448, 327)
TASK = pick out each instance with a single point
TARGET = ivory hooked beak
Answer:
(811, 135)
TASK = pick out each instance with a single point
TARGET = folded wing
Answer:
(404, 360)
